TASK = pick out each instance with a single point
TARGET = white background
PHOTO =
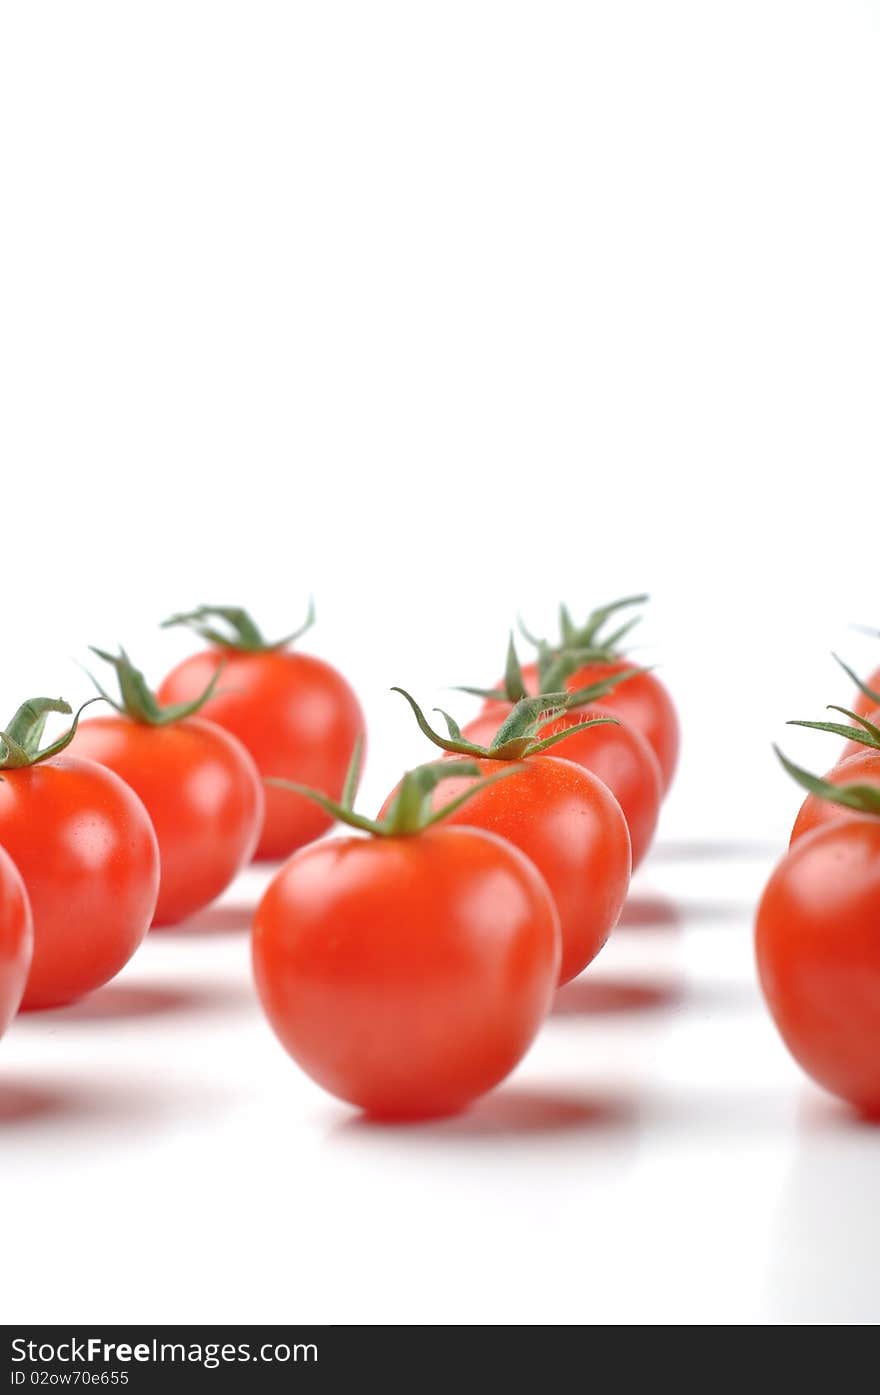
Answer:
(444, 312)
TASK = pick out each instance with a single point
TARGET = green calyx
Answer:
(20, 742)
(592, 635)
(865, 732)
(554, 667)
(137, 699)
(577, 645)
(240, 631)
(864, 799)
(411, 811)
(518, 736)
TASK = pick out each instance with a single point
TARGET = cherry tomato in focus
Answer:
(407, 975)
(16, 939)
(618, 754)
(88, 856)
(203, 794)
(818, 952)
(642, 702)
(298, 718)
(568, 823)
(863, 768)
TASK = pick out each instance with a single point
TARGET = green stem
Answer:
(410, 813)
(518, 735)
(242, 633)
(20, 742)
(554, 667)
(514, 684)
(137, 699)
(590, 631)
(454, 743)
(590, 639)
(336, 810)
(353, 774)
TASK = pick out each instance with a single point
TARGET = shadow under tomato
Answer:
(230, 918)
(35, 1103)
(600, 995)
(21, 1103)
(590, 996)
(713, 850)
(650, 912)
(512, 1112)
(118, 1002)
(825, 1114)
(653, 912)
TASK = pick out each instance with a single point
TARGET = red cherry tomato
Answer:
(819, 956)
(407, 975)
(861, 768)
(202, 792)
(569, 824)
(618, 754)
(87, 853)
(16, 939)
(297, 717)
(642, 702)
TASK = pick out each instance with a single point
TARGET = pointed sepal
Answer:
(240, 631)
(20, 741)
(137, 699)
(864, 799)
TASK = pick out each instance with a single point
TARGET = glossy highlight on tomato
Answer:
(407, 975)
(16, 939)
(818, 953)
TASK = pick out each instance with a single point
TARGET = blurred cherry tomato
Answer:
(818, 953)
(202, 792)
(16, 939)
(295, 714)
(86, 850)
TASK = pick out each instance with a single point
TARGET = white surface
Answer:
(443, 313)
(656, 1158)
